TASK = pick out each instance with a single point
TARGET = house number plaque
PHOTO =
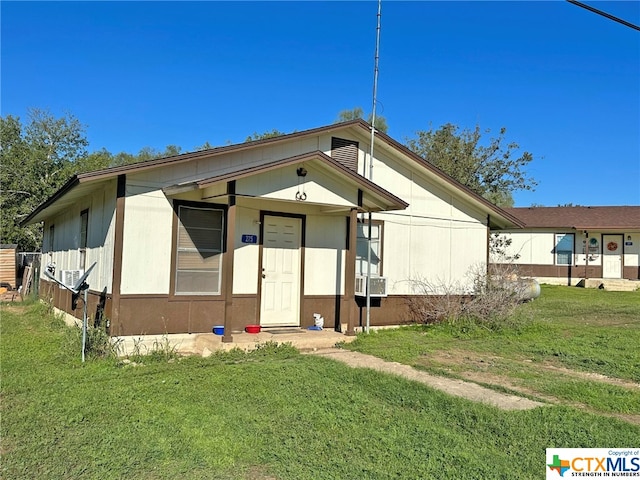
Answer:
(249, 239)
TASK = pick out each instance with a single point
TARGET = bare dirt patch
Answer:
(486, 370)
(461, 361)
(13, 308)
(469, 390)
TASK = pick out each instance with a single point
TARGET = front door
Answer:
(612, 256)
(280, 292)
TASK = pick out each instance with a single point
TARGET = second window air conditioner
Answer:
(378, 286)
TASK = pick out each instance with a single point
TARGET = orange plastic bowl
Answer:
(252, 329)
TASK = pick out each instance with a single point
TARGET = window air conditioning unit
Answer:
(378, 286)
(70, 277)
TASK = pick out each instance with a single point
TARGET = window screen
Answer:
(199, 251)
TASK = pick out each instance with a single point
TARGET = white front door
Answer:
(612, 256)
(280, 292)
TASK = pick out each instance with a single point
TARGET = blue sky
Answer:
(563, 81)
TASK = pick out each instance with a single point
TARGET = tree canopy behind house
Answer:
(40, 156)
(358, 112)
(491, 168)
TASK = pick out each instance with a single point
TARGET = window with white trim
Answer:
(199, 246)
(362, 247)
(564, 248)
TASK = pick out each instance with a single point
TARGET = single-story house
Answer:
(265, 232)
(565, 245)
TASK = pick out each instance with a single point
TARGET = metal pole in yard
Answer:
(373, 133)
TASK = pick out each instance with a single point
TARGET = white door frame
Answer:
(287, 317)
(612, 261)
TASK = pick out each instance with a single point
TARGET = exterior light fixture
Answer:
(301, 195)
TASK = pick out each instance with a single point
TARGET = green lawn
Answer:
(570, 339)
(272, 414)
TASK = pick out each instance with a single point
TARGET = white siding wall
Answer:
(440, 252)
(100, 238)
(325, 255)
(632, 252)
(146, 253)
(219, 165)
(246, 256)
(533, 248)
(537, 248)
(437, 238)
(284, 183)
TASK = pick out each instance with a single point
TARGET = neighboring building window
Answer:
(564, 248)
(376, 248)
(345, 151)
(199, 251)
(84, 231)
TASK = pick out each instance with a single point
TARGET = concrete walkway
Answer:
(459, 388)
(204, 344)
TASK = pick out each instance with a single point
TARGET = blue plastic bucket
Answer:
(218, 329)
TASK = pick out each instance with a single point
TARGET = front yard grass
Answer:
(272, 414)
(574, 346)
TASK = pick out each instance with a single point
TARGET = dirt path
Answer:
(468, 390)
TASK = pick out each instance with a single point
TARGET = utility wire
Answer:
(605, 14)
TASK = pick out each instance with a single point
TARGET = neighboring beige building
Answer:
(564, 245)
(266, 232)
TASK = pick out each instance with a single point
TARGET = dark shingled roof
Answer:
(581, 218)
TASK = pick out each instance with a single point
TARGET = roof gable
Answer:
(374, 198)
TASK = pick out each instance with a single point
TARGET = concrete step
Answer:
(620, 285)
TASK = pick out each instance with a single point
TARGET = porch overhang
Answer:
(312, 174)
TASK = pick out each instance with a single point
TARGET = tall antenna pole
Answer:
(373, 133)
(375, 89)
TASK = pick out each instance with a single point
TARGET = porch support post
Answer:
(350, 272)
(488, 253)
(115, 328)
(227, 262)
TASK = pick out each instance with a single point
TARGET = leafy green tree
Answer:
(205, 146)
(263, 136)
(358, 112)
(36, 159)
(491, 168)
